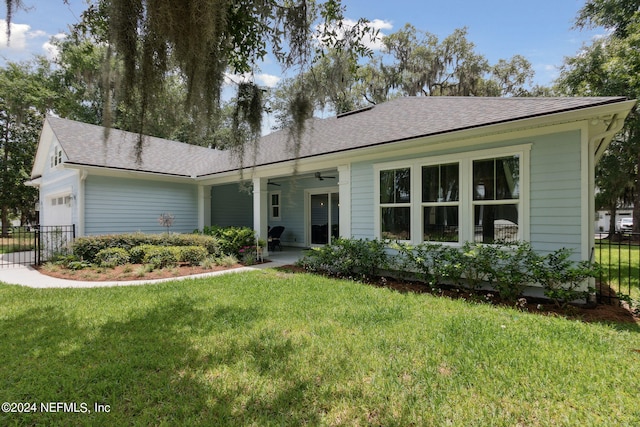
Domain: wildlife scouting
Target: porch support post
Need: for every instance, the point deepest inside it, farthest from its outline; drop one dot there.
(204, 206)
(344, 186)
(260, 210)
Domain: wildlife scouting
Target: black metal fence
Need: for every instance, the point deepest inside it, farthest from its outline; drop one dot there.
(619, 258)
(35, 245)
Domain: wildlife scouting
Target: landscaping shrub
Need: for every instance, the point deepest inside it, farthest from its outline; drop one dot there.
(509, 271)
(231, 239)
(87, 247)
(434, 263)
(162, 256)
(561, 278)
(138, 253)
(506, 267)
(192, 255)
(111, 257)
(348, 258)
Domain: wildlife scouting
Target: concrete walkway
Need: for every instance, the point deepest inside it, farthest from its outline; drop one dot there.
(30, 277)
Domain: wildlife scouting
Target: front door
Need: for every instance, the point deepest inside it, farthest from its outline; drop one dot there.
(323, 207)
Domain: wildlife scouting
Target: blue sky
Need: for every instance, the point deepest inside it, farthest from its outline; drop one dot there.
(540, 31)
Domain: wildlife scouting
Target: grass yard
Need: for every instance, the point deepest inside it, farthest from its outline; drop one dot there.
(272, 348)
(621, 266)
(16, 244)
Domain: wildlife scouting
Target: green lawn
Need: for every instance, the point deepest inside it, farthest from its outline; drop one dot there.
(621, 267)
(269, 348)
(23, 242)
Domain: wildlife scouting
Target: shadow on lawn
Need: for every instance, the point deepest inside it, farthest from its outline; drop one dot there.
(147, 369)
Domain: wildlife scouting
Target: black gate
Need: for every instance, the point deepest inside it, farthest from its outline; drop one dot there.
(35, 245)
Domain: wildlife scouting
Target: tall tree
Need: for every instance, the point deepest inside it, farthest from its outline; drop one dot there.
(610, 66)
(414, 63)
(201, 40)
(23, 98)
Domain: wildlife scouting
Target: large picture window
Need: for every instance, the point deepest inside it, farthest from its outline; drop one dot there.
(395, 204)
(473, 196)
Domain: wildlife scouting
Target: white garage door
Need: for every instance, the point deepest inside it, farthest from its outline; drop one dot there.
(57, 211)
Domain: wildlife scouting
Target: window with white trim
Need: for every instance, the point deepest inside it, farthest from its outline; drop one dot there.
(395, 203)
(496, 196)
(441, 202)
(56, 157)
(275, 200)
(475, 196)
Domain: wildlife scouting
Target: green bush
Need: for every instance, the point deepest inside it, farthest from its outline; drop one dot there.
(510, 272)
(507, 268)
(192, 255)
(435, 263)
(111, 257)
(137, 253)
(87, 247)
(162, 256)
(231, 239)
(562, 278)
(348, 258)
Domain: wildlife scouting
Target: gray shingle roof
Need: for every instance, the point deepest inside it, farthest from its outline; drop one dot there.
(414, 117)
(396, 120)
(85, 144)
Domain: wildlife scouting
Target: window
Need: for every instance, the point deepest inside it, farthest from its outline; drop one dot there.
(56, 157)
(474, 196)
(496, 194)
(440, 202)
(395, 203)
(275, 205)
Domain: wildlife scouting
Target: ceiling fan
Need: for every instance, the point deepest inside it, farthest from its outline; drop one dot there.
(319, 177)
(273, 183)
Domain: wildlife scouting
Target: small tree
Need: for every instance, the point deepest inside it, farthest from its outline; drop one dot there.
(166, 220)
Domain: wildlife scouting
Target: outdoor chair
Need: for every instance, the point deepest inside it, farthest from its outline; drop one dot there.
(274, 237)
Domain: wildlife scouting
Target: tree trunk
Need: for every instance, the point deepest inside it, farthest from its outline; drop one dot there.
(4, 217)
(612, 220)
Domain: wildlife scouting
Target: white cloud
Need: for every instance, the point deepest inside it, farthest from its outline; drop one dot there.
(380, 24)
(268, 80)
(19, 35)
(51, 50)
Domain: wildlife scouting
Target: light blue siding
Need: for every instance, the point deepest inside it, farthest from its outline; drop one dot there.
(231, 206)
(119, 205)
(556, 205)
(362, 200)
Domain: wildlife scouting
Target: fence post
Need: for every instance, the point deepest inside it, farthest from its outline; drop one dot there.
(36, 244)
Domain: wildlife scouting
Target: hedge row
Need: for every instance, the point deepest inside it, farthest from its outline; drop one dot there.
(507, 268)
(86, 248)
(156, 256)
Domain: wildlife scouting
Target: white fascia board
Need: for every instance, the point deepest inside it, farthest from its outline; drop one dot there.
(131, 174)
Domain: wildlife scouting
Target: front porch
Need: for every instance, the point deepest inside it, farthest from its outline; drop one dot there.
(313, 207)
(287, 256)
